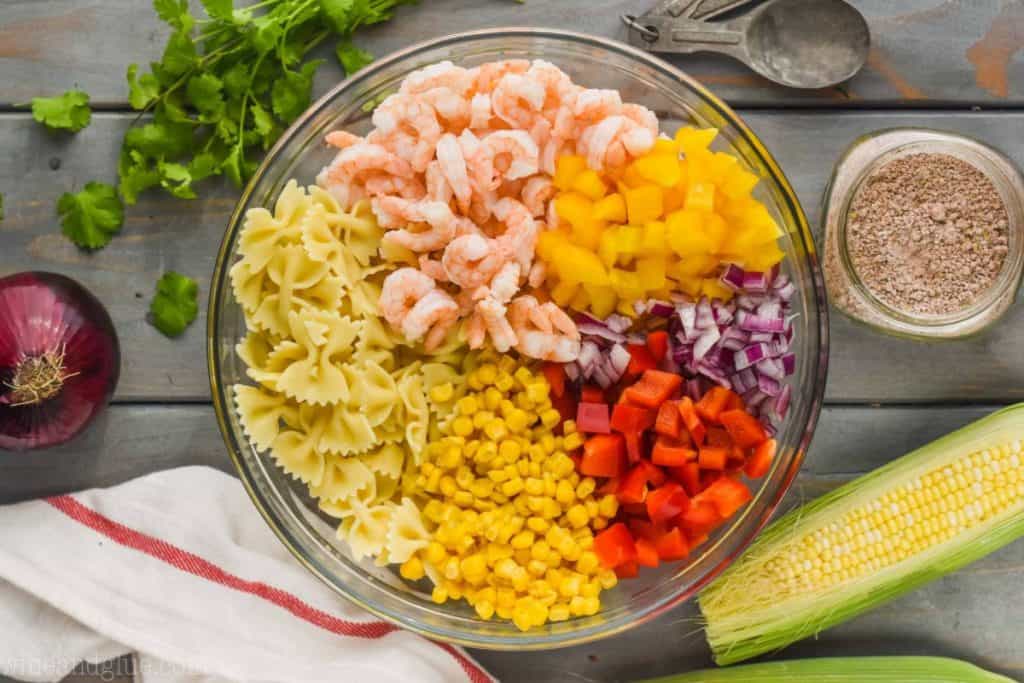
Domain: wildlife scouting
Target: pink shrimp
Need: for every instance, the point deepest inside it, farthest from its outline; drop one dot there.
(517, 100)
(471, 260)
(611, 142)
(520, 236)
(557, 84)
(487, 75)
(592, 105)
(641, 115)
(408, 126)
(476, 329)
(342, 139)
(506, 154)
(437, 188)
(381, 184)
(450, 106)
(437, 215)
(480, 112)
(400, 292)
(452, 165)
(538, 272)
(354, 162)
(543, 331)
(503, 337)
(433, 268)
(432, 316)
(503, 286)
(442, 74)
(536, 193)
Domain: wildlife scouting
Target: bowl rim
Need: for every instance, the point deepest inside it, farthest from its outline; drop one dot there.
(818, 375)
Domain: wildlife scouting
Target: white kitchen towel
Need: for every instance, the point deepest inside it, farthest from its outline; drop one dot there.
(179, 568)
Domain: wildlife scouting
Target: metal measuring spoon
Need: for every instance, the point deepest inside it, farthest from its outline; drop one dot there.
(798, 43)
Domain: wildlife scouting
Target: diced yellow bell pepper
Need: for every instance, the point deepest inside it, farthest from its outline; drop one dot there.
(650, 271)
(585, 265)
(712, 288)
(606, 250)
(738, 183)
(693, 266)
(589, 184)
(720, 165)
(659, 168)
(686, 232)
(691, 139)
(573, 208)
(625, 307)
(563, 292)
(587, 234)
(654, 239)
(716, 230)
(581, 300)
(643, 204)
(700, 196)
(665, 146)
(549, 242)
(675, 196)
(698, 167)
(602, 300)
(690, 285)
(568, 167)
(763, 258)
(611, 208)
(631, 178)
(628, 239)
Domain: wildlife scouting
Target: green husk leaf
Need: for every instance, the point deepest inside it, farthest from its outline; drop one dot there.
(745, 618)
(845, 670)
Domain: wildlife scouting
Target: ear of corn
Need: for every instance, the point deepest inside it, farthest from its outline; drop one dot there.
(916, 519)
(846, 670)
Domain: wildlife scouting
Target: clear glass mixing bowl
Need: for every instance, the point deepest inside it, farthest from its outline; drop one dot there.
(300, 153)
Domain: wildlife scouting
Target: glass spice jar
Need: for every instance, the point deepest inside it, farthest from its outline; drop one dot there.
(848, 291)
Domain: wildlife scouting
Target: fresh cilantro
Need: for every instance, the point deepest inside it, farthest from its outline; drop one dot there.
(174, 305)
(351, 57)
(91, 217)
(228, 84)
(69, 111)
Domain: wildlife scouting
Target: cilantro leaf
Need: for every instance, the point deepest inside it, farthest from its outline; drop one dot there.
(176, 179)
(218, 9)
(179, 54)
(351, 57)
(291, 92)
(142, 89)
(135, 174)
(91, 217)
(161, 138)
(263, 124)
(69, 111)
(204, 92)
(175, 305)
(174, 13)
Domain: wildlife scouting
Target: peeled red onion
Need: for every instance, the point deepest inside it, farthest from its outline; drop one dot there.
(59, 359)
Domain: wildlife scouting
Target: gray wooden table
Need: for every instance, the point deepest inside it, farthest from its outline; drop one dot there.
(952, 64)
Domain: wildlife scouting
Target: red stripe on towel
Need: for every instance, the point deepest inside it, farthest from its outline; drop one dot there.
(197, 566)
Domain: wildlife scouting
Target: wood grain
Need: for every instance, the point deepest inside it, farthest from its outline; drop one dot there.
(973, 614)
(938, 51)
(162, 233)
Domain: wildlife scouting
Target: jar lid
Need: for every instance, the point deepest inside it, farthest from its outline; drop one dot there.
(853, 296)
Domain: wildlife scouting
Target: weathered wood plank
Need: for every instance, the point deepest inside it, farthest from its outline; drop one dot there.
(972, 614)
(162, 233)
(930, 51)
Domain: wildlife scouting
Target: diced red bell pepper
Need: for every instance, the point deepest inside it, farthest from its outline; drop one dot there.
(646, 553)
(696, 539)
(592, 418)
(632, 510)
(604, 455)
(555, 375)
(642, 528)
(668, 422)
(633, 419)
(666, 502)
(672, 545)
(655, 475)
(614, 546)
(653, 388)
(727, 495)
(633, 486)
(671, 453)
(629, 570)
(689, 476)
(640, 359)
(565, 405)
(591, 394)
(634, 447)
(609, 488)
(711, 404)
(735, 402)
(735, 460)
(700, 518)
(657, 344)
(745, 429)
(717, 436)
(712, 457)
(760, 460)
(694, 427)
(709, 477)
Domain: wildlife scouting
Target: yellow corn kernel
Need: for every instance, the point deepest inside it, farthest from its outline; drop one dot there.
(577, 606)
(512, 487)
(592, 507)
(504, 612)
(463, 498)
(523, 375)
(537, 392)
(572, 441)
(577, 516)
(558, 612)
(590, 589)
(439, 595)
(484, 609)
(466, 405)
(412, 569)
(588, 563)
(504, 381)
(550, 418)
(519, 421)
(462, 426)
(488, 372)
(534, 486)
(539, 550)
(523, 540)
(607, 578)
(509, 450)
(570, 586)
(442, 393)
(608, 506)
(451, 458)
(447, 486)
(585, 487)
(495, 429)
(473, 565)
(492, 398)
(482, 488)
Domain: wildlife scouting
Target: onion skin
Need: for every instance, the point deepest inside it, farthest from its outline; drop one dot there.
(44, 313)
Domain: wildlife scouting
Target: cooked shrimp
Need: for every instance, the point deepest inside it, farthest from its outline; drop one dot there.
(441, 75)
(437, 188)
(506, 154)
(504, 285)
(520, 236)
(381, 184)
(437, 215)
(543, 331)
(400, 292)
(487, 75)
(517, 100)
(538, 272)
(610, 142)
(452, 164)
(593, 105)
(342, 139)
(409, 127)
(432, 316)
(641, 115)
(353, 163)
(536, 193)
(557, 84)
(476, 330)
(449, 105)
(498, 327)
(433, 268)
(480, 112)
(471, 260)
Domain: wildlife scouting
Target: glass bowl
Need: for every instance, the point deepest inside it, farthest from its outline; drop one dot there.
(300, 153)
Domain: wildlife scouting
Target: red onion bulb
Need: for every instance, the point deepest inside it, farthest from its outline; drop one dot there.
(59, 359)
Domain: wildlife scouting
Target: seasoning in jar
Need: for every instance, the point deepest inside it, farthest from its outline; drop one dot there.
(922, 233)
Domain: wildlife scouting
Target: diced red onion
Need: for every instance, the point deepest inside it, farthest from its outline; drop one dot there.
(705, 318)
(747, 302)
(723, 313)
(693, 389)
(761, 337)
(599, 376)
(661, 309)
(781, 404)
(618, 323)
(754, 322)
(749, 355)
(768, 385)
(714, 374)
(636, 338)
(688, 317)
(732, 277)
(755, 282)
(789, 364)
(778, 347)
(619, 358)
(589, 329)
(771, 367)
(731, 343)
(786, 291)
(590, 354)
(572, 371)
(639, 306)
(708, 338)
(753, 398)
